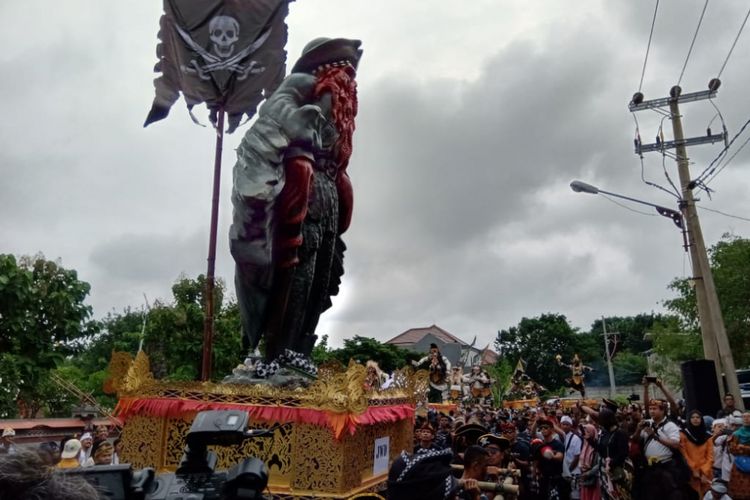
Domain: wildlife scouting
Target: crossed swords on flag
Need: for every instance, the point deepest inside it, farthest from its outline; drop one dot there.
(215, 63)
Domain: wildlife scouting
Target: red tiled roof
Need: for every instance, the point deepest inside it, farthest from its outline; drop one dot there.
(20, 424)
(488, 357)
(414, 335)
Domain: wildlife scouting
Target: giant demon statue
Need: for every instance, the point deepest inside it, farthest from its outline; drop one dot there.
(292, 199)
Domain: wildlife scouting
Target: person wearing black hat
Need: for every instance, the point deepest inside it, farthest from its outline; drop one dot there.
(426, 475)
(465, 436)
(497, 458)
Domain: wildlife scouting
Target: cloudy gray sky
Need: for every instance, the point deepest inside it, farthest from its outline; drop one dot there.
(474, 117)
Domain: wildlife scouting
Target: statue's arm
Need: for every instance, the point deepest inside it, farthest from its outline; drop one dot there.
(346, 200)
(292, 203)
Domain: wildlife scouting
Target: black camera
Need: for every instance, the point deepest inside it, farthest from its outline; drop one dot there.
(195, 479)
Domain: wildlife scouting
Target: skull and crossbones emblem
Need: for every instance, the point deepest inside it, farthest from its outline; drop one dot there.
(224, 33)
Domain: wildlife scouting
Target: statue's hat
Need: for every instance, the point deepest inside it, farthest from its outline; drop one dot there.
(322, 51)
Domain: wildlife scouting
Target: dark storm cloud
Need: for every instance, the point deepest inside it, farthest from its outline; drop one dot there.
(449, 172)
(454, 166)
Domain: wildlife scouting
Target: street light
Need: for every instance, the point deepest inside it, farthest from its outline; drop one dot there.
(582, 187)
(709, 311)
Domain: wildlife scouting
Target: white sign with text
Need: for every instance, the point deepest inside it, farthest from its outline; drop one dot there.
(382, 452)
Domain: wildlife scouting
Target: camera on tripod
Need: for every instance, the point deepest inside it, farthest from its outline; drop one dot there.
(196, 478)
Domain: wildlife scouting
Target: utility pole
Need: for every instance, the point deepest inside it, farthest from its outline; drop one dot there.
(713, 333)
(612, 388)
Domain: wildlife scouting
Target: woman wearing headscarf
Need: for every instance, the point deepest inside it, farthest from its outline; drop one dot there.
(589, 464)
(698, 449)
(739, 446)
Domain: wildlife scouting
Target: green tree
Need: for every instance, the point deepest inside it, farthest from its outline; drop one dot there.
(321, 352)
(501, 372)
(42, 316)
(730, 266)
(629, 367)
(537, 341)
(170, 333)
(631, 332)
(173, 335)
(361, 349)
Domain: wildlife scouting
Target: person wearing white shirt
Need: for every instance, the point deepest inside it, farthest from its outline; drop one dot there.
(661, 436)
(571, 467)
(87, 441)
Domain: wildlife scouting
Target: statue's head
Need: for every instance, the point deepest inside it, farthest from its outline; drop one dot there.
(322, 52)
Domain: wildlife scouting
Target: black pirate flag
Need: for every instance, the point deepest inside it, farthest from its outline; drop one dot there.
(226, 53)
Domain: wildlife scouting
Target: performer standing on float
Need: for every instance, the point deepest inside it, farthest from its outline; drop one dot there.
(438, 366)
(479, 384)
(456, 381)
(577, 369)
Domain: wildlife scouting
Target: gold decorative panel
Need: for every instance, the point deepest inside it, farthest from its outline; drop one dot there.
(143, 442)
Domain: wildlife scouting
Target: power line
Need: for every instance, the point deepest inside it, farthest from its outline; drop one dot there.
(653, 184)
(707, 181)
(723, 213)
(648, 47)
(695, 35)
(677, 193)
(643, 176)
(735, 43)
(626, 207)
(708, 170)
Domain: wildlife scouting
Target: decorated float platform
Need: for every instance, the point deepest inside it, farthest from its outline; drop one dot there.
(332, 439)
(520, 404)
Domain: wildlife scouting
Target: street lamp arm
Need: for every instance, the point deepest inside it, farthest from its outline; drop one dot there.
(582, 187)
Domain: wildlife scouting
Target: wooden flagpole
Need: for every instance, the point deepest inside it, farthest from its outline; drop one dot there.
(208, 322)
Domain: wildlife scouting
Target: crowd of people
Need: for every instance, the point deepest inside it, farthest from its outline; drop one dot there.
(552, 451)
(32, 472)
(654, 450)
(90, 448)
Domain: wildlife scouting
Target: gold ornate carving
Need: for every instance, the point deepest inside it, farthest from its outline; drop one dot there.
(335, 390)
(318, 459)
(340, 391)
(142, 442)
(138, 375)
(118, 369)
(174, 441)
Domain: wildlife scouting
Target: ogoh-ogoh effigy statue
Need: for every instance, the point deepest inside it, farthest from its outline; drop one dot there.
(292, 199)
